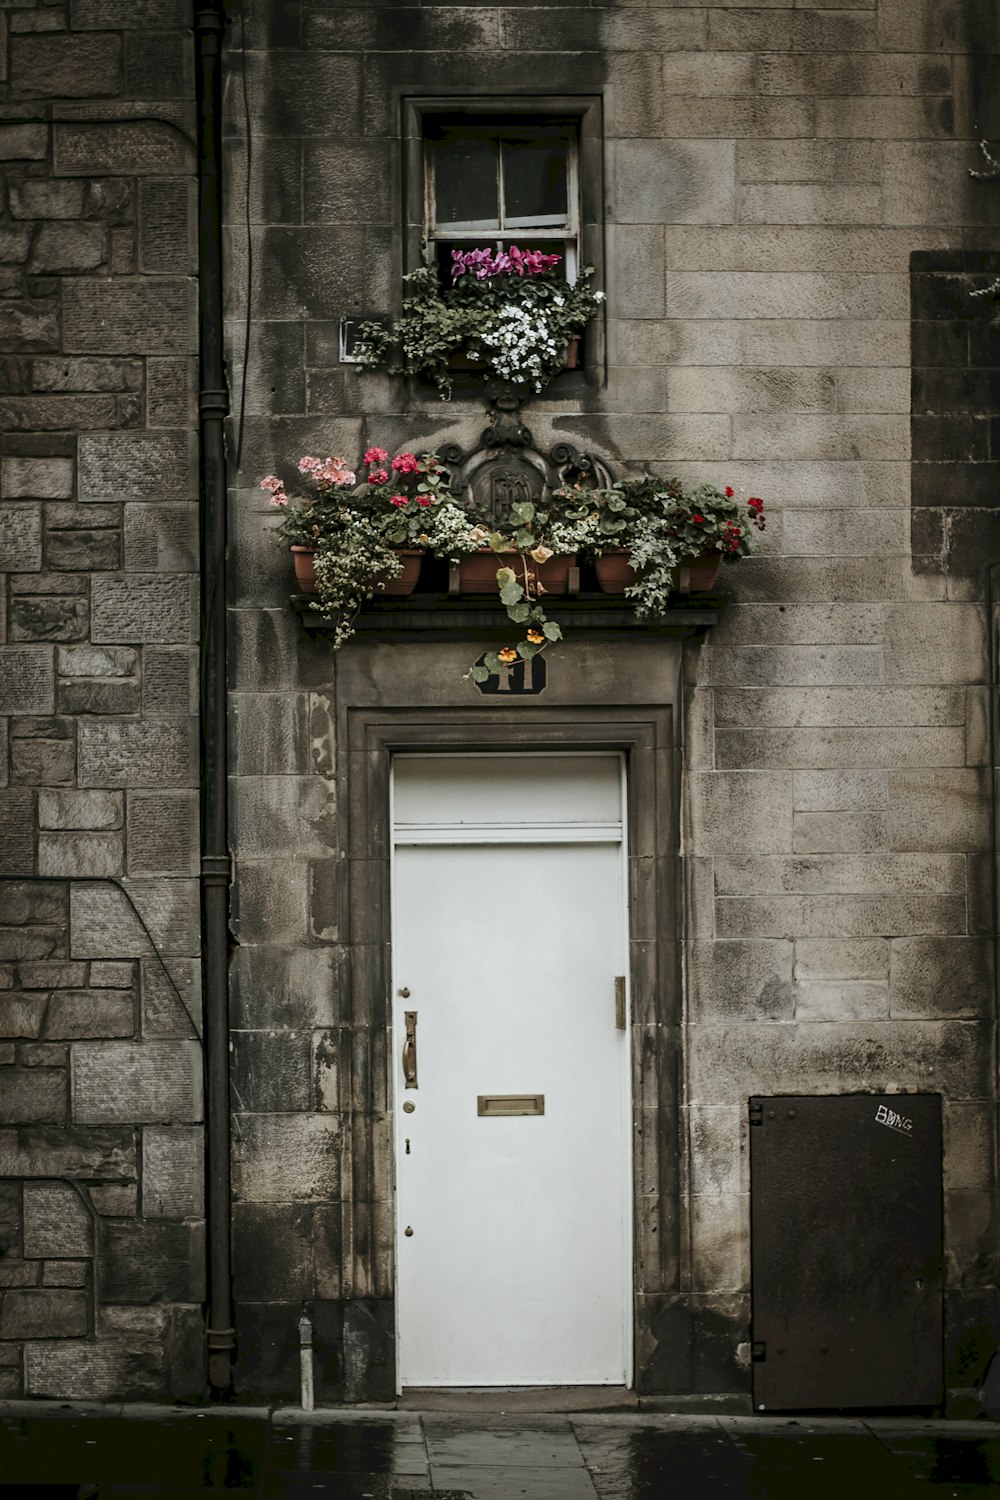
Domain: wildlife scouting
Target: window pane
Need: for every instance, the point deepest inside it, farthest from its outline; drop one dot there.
(535, 182)
(465, 184)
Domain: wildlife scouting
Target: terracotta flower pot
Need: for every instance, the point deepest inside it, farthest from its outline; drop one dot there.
(405, 582)
(303, 561)
(479, 571)
(615, 573)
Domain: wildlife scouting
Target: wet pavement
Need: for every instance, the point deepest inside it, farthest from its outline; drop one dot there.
(85, 1452)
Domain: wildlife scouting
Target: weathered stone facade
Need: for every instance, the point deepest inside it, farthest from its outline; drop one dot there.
(790, 238)
(102, 1271)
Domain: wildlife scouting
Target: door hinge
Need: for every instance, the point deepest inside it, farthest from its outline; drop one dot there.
(756, 1112)
(620, 1001)
(758, 1352)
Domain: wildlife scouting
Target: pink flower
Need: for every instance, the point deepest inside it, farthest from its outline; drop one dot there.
(378, 476)
(335, 471)
(279, 498)
(273, 483)
(376, 456)
(309, 465)
(406, 463)
(398, 500)
(424, 499)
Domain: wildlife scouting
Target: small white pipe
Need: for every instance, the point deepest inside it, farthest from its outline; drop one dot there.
(306, 1362)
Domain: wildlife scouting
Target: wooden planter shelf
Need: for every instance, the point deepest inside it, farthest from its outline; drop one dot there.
(450, 616)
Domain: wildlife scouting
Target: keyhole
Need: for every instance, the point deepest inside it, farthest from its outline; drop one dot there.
(407, 1147)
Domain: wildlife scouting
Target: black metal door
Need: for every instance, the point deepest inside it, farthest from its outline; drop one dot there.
(846, 1251)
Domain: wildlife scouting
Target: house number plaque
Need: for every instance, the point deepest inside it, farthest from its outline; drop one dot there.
(521, 679)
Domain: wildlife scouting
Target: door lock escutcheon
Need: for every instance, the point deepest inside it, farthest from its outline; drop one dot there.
(410, 1049)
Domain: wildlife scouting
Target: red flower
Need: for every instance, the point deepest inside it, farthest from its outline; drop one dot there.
(398, 500)
(406, 463)
(754, 503)
(378, 476)
(730, 492)
(376, 456)
(697, 518)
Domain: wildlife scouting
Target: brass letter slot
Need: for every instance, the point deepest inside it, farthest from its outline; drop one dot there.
(511, 1104)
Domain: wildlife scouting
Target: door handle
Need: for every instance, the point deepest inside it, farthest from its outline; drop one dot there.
(410, 1049)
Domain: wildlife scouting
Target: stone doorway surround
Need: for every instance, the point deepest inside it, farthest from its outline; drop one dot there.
(600, 696)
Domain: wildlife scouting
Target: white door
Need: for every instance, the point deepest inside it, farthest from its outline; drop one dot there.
(513, 1163)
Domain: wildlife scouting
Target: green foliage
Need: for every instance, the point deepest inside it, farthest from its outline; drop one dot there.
(511, 326)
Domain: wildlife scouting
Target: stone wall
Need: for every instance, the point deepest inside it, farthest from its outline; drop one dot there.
(101, 1244)
(770, 173)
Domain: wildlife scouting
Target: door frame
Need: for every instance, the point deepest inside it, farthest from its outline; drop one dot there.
(645, 737)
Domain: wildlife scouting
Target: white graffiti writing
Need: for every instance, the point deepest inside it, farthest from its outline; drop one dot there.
(886, 1116)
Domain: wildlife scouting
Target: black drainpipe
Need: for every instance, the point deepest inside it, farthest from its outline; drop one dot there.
(213, 406)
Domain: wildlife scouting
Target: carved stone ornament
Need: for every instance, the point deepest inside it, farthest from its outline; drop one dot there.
(506, 467)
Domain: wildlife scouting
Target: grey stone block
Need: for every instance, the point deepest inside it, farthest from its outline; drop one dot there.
(22, 1015)
(89, 1371)
(96, 661)
(296, 987)
(109, 697)
(161, 538)
(673, 182)
(172, 1172)
(800, 916)
(170, 684)
(43, 1314)
(125, 316)
(768, 294)
(927, 643)
(112, 976)
(18, 831)
(86, 1155)
(122, 148)
(68, 1273)
(33, 1096)
(807, 749)
(139, 608)
(269, 733)
(76, 1014)
(114, 1202)
(142, 1262)
(163, 833)
(104, 923)
(52, 976)
(73, 67)
(137, 753)
(841, 1001)
(841, 791)
(272, 1070)
(24, 142)
(764, 30)
(865, 707)
(56, 1221)
(853, 875)
(840, 833)
(170, 392)
(171, 998)
(20, 537)
(283, 815)
(939, 809)
(733, 810)
(27, 679)
(32, 324)
(83, 855)
(62, 247)
(79, 810)
(941, 977)
(137, 466)
(747, 981)
(140, 15)
(36, 478)
(35, 198)
(136, 1082)
(167, 223)
(49, 618)
(271, 902)
(273, 1252)
(287, 1158)
(86, 374)
(813, 666)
